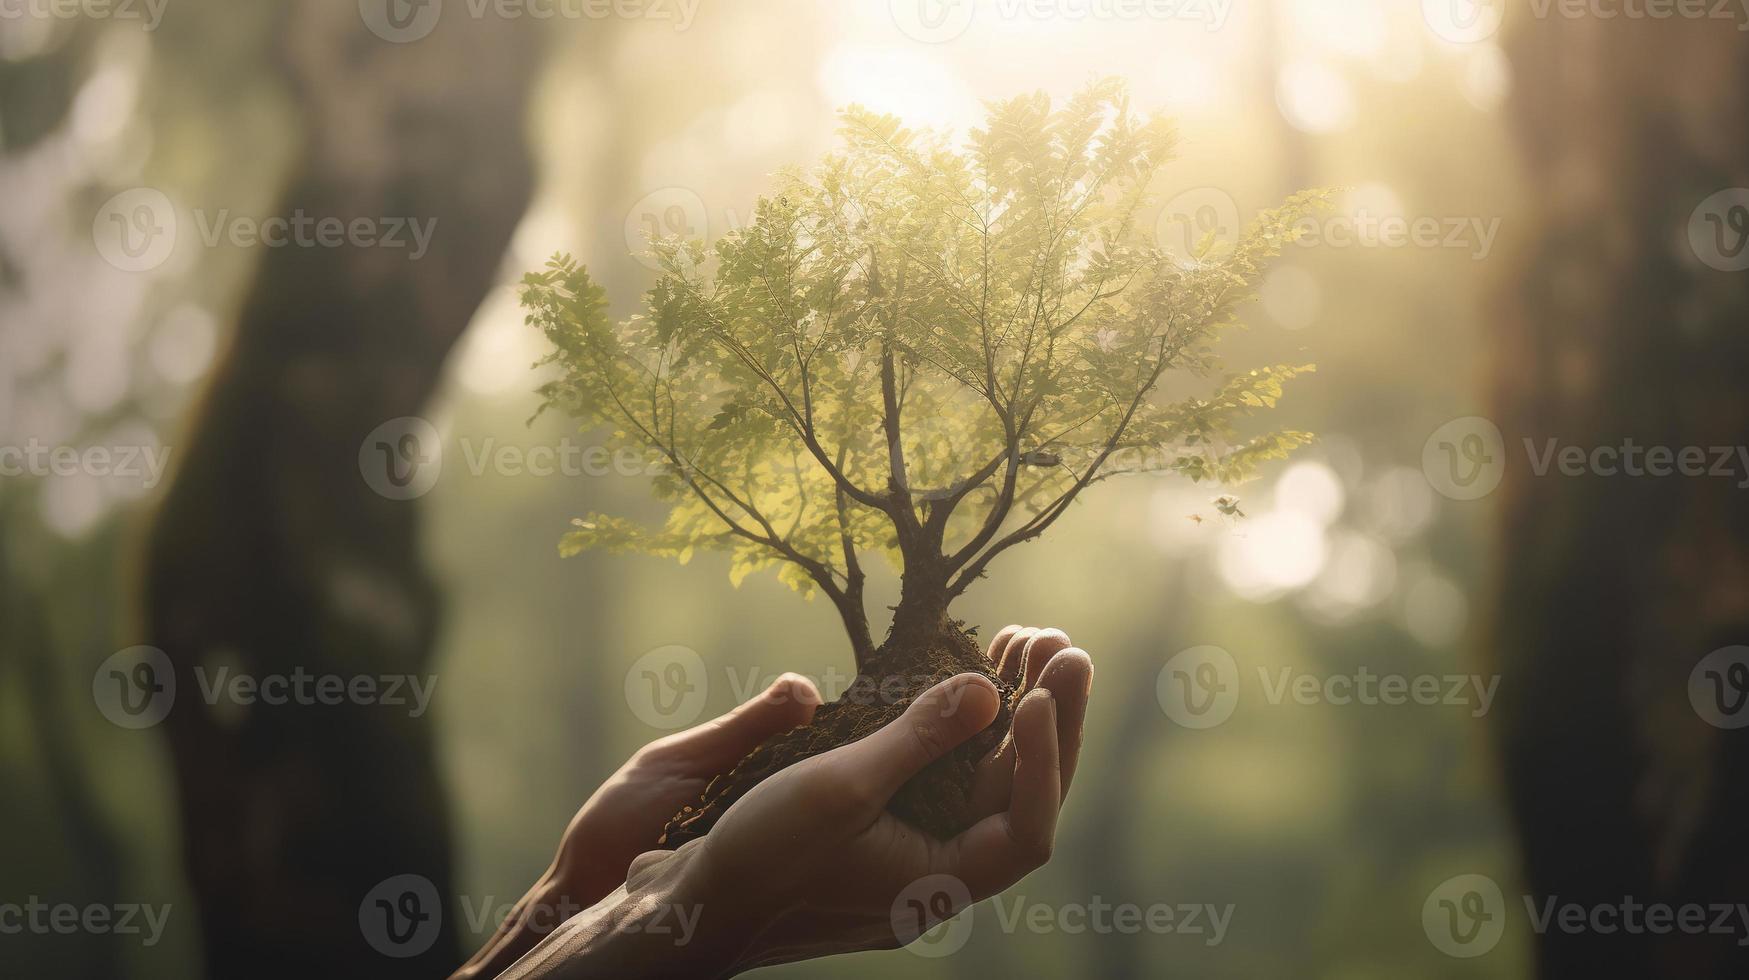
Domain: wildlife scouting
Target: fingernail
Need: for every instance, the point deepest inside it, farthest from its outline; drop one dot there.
(795, 687)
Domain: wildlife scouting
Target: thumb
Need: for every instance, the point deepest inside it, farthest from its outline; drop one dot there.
(720, 743)
(937, 721)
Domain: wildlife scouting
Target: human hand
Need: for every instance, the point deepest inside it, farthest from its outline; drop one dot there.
(810, 861)
(626, 814)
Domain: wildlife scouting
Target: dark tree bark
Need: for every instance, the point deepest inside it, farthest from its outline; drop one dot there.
(1614, 588)
(273, 554)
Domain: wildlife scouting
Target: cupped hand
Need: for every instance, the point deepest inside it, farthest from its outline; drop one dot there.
(810, 863)
(625, 816)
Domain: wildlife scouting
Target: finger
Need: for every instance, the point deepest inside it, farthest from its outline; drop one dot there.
(999, 850)
(717, 744)
(642, 864)
(1037, 775)
(1035, 656)
(999, 646)
(990, 792)
(1044, 644)
(1069, 678)
(993, 781)
(1008, 668)
(939, 719)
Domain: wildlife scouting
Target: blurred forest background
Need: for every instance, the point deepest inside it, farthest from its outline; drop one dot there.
(1570, 152)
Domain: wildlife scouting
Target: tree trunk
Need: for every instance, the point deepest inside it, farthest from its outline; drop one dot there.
(272, 554)
(1614, 588)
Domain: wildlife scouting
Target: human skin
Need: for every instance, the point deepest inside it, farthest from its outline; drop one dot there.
(809, 863)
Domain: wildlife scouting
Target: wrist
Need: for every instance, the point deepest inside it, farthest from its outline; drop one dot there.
(676, 921)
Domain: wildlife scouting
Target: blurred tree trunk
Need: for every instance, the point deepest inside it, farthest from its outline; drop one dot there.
(1615, 587)
(272, 554)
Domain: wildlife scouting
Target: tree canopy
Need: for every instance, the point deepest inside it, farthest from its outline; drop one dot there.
(918, 350)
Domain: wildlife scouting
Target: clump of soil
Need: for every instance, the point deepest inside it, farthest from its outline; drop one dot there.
(936, 800)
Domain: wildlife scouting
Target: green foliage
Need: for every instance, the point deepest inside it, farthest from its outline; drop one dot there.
(920, 351)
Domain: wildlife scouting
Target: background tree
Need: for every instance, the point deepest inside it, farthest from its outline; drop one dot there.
(270, 552)
(1613, 588)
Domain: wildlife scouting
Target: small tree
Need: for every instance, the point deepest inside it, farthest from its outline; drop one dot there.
(918, 352)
